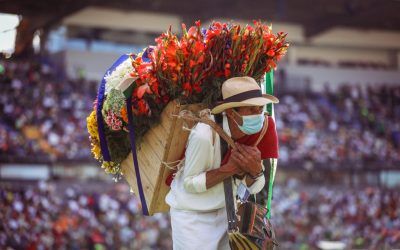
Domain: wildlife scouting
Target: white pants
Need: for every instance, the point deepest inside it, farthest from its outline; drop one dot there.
(199, 230)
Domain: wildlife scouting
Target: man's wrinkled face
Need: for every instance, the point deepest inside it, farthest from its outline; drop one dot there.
(237, 113)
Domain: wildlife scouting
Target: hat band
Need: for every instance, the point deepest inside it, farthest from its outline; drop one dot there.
(244, 96)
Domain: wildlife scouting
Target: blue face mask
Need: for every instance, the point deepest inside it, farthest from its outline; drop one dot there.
(252, 124)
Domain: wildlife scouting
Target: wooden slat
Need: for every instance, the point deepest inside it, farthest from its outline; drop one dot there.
(161, 189)
(145, 176)
(158, 203)
(178, 143)
(179, 135)
(151, 163)
(156, 139)
(166, 116)
(130, 176)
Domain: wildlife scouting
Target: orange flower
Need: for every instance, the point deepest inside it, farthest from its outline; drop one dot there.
(124, 114)
(271, 53)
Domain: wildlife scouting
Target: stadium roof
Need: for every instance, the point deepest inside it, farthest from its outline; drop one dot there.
(315, 16)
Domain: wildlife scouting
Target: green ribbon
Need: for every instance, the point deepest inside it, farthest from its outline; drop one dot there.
(269, 89)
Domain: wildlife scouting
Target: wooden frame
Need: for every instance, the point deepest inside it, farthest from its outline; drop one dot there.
(164, 142)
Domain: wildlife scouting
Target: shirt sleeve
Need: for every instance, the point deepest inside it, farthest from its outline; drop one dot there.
(269, 144)
(197, 159)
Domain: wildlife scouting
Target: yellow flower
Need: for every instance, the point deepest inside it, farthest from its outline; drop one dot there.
(92, 126)
(96, 150)
(110, 167)
(94, 136)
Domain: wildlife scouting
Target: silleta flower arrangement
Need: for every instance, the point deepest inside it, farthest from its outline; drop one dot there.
(190, 68)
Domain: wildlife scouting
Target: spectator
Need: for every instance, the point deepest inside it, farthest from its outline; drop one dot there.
(331, 130)
(41, 116)
(45, 217)
(52, 216)
(367, 218)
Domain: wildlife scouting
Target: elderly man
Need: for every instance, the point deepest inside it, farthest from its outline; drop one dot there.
(197, 199)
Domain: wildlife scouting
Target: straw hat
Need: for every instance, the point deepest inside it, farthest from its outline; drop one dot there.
(240, 92)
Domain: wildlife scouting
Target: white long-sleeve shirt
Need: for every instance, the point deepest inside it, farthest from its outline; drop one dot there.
(188, 189)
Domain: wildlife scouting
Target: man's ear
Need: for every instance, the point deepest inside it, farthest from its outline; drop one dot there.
(234, 116)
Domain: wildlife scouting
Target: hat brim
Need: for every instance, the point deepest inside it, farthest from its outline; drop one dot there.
(257, 101)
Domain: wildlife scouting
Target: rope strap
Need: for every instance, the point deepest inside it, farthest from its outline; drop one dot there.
(134, 155)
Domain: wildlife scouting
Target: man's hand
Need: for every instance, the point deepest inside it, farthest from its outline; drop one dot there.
(218, 175)
(248, 158)
(245, 159)
(232, 166)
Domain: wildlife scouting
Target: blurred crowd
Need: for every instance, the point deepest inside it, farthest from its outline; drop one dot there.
(42, 115)
(353, 126)
(345, 64)
(362, 218)
(49, 216)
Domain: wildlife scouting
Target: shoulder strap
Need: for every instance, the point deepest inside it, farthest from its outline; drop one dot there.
(216, 126)
(263, 131)
(229, 199)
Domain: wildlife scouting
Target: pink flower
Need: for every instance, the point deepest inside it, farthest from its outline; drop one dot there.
(113, 121)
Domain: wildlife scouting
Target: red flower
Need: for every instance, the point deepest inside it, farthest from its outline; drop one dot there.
(227, 71)
(271, 53)
(171, 49)
(201, 59)
(197, 87)
(171, 64)
(192, 32)
(187, 88)
(217, 25)
(165, 99)
(154, 88)
(142, 107)
(192, 63)
(212, 33)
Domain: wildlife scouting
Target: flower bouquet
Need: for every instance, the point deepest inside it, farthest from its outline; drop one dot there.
(131, 123)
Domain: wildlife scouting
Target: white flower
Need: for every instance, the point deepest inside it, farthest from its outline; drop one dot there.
(114, 78)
